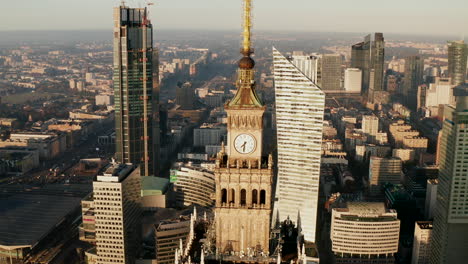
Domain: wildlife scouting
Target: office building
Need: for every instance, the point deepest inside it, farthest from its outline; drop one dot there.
(299, 120)
(450, 241)
(377, 61)
(422, 242)
(193, 185)
(209, 134)
(370, 127)
(383, 170)
(414, 67)
(369, 56)
(243, 173)
(117, 209)
(135, 89)
(353, 80)
(308, 65)
(364, 233)
(360, 59)
(457, 58)
(330, 72)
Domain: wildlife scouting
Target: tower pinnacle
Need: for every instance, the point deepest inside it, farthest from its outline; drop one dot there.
(246, 95)
(246, 44)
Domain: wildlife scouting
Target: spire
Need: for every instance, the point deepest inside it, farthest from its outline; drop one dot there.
(246, 95)
(246, 43)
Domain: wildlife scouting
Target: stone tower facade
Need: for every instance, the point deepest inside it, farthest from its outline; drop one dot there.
(243, 174)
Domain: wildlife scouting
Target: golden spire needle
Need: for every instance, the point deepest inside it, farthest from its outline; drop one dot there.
(247, 26)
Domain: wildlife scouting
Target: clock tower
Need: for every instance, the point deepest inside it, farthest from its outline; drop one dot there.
(244, 173)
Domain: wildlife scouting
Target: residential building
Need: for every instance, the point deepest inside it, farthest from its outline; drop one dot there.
(370, 127)
(299, 119)
(364, 232)
(404, 154)
(440, 92)
(449, 242)
(185, 96)
(135, 89)
(117, 209)
(422, 242)
(105, 99)
(171, 236)
(383, 170)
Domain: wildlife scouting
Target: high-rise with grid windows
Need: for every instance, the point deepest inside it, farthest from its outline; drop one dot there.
(135, 89)
(450, 228)
(117, 205)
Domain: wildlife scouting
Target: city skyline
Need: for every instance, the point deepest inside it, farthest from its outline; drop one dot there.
(201, 14)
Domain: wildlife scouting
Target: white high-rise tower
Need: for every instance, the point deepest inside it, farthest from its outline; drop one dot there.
(300, 107)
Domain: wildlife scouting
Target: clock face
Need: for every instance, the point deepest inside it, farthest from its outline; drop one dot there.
(244, 143)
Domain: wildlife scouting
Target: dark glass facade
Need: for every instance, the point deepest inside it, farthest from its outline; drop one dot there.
(414, 70)
(135, 89)
(369, 56)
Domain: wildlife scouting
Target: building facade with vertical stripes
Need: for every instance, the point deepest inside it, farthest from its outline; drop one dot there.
(300, 107)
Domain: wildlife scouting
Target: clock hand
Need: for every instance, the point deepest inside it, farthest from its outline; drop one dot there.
(243, 146)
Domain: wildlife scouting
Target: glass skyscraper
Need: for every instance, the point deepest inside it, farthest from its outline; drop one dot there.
(300, 107)
(457, 58)
(360, 59)
(135, 89)
(369, 57)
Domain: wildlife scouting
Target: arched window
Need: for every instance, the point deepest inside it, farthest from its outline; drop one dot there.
(243, 197)
(233, 196)
(223, 196)
(254, 197)
(262, 197)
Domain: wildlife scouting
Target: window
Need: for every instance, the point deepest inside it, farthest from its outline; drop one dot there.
(243, 197)
(233, 196)
(223, 196)
(262, 197)
(254, 197)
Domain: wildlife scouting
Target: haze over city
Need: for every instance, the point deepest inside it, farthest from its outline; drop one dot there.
(398, 16)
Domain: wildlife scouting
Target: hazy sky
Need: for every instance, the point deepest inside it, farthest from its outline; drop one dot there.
(434, 17)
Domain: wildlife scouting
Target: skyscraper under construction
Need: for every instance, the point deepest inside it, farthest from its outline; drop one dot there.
(136, 89)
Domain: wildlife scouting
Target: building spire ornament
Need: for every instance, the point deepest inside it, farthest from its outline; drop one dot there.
(246, 95)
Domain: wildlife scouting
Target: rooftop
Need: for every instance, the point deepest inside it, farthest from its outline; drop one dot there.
(25, 219)
(366, 208)
(424, 224)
